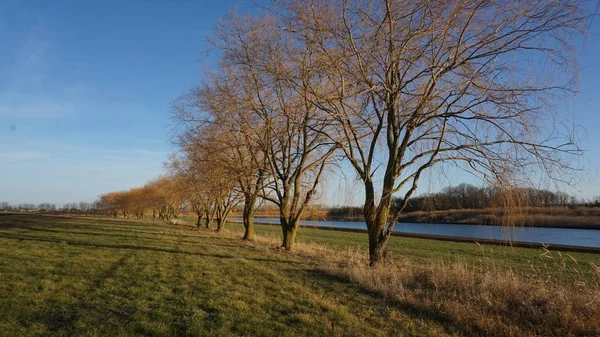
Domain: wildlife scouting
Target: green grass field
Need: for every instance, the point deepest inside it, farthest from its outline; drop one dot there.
(75, 276)
(562, 267)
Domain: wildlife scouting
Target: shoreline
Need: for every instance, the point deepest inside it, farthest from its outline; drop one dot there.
(416, 220)
(556, 247)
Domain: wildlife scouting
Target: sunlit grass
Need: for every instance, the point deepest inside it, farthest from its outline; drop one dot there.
(109, 277)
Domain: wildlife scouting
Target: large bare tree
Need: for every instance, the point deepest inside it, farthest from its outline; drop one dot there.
(471, 83)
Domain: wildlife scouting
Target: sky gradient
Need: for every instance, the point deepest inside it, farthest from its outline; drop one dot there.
(85, 89)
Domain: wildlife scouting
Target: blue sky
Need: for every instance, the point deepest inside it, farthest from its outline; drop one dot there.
(85, 89)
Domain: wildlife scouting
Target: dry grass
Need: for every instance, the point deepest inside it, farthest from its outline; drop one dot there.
(490, 302)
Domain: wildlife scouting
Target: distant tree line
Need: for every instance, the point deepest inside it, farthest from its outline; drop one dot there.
(166, 198)
(466, 196)
(24, 207)
(162, 198)
(81, 207)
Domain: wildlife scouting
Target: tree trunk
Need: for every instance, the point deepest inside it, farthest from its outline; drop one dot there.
(248, 217)
(249, 228)
(209, 219)
(198, 221)
(377, 247)
(289, 233)
(220, 224)
(376, 219)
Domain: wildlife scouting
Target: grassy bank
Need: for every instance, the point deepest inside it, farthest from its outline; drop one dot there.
(85, 276)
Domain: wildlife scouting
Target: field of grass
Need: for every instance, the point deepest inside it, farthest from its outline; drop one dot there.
(78, 276)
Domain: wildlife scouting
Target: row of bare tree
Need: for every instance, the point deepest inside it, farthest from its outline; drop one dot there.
(162, 197)
(393, 88)
(387, 88)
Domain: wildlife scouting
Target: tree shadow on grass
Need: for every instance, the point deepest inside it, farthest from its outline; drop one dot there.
(27, 220)
(84, 226)
(61, 317)
(135, 237)
(20, 220)
(146, 248)
(112, 246)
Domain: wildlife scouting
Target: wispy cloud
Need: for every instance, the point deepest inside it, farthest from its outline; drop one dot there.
(20, 156)
(65, 149)
(26, 91)
(59, 147)
(138, 140)
(38, 108)
(149, 152)
(30, 64)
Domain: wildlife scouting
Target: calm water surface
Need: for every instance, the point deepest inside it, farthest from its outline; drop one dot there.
(559, 236)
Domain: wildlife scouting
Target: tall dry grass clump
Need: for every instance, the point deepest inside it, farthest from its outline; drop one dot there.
(490, 302)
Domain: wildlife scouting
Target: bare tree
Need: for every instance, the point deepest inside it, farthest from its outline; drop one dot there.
(207, 160)
(192, 187)
(216, 117)
(429, 82)
(166, 196)
(279, 72)
(109, 203)
(240, 151)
